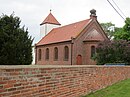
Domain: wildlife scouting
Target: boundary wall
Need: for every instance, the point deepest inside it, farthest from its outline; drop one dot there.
(58, 81)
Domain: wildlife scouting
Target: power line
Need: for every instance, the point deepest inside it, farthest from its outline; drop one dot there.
(116, 10)
(119, 8)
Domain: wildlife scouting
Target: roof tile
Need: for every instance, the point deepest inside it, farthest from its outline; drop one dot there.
(64, 33)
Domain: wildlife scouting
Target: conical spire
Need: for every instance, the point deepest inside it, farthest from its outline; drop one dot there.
(50, 19)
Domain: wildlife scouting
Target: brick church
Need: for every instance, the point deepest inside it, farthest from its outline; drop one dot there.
(72, 44)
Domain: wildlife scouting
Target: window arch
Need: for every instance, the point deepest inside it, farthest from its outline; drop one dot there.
(55, 53)
(66, 53)
(39, 54)
(47, 54)
(93, 51)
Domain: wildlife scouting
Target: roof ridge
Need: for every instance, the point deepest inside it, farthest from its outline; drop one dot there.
(73, 23)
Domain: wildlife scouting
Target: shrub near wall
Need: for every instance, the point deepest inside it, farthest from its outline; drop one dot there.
(57, 81)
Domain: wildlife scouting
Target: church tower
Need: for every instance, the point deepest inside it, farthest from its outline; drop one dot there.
(48, 24)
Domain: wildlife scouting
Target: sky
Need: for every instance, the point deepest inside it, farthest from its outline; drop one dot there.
(33, 12)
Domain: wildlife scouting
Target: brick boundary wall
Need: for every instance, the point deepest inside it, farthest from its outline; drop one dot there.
(57, 81)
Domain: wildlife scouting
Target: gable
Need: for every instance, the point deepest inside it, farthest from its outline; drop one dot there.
(94, 35)
(93, 31)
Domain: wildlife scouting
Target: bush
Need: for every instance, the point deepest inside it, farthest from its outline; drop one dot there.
(113, 52)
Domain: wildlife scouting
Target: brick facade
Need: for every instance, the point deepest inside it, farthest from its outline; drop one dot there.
(57, 81)
(51, 59)
(82, 44)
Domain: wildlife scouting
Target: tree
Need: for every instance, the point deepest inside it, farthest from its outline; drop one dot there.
(113, 52)
(123, 33)
(108, 28)
(16, 44)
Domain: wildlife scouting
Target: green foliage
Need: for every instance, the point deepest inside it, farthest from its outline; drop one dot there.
(113, 52)
(16, 44)
(120, 89)
(108, 28)
(116, 51)
(123, 33)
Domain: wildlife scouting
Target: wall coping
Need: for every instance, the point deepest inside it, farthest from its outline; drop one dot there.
(51, 66)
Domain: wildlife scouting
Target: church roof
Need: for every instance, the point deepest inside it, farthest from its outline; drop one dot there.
(50, 19)
(64, 33)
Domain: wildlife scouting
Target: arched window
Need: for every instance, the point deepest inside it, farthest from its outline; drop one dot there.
(93, 51)
(55, 53)
(39, 54)
(66, 53)
(47, 54)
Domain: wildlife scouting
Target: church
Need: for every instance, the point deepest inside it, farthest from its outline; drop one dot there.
(72, 44)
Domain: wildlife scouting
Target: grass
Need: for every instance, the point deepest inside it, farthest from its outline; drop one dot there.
(121, 89)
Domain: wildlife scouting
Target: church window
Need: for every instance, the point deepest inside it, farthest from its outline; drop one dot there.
(47, 54)
(66, 53)
(39, 54)
(93, 51)
(55, 53)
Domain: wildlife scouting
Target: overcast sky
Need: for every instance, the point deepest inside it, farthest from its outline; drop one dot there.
(33, 12)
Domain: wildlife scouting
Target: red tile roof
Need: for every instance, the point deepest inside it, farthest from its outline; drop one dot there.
(50, 19)
(64, 33)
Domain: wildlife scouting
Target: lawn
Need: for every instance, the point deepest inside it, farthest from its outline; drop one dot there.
(121, 89)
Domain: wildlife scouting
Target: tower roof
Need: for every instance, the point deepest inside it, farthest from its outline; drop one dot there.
(50, 19)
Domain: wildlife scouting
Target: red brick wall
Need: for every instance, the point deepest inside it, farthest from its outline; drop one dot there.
(51, 60)
(57, 81)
